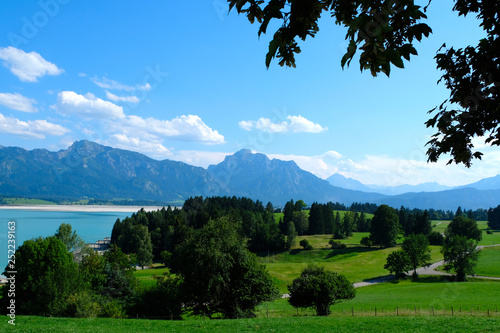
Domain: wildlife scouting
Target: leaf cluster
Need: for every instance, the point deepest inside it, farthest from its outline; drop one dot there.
(383, 31)
(472, 75)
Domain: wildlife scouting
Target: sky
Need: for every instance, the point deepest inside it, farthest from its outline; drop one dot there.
(187, 81)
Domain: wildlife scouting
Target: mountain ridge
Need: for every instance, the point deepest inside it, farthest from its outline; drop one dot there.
(88, 169)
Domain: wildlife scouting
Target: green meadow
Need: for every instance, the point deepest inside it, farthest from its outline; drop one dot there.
(489, 262)
(345, 324)
(430, 304)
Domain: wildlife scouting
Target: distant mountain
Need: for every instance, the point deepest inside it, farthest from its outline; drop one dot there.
(87, 169)
(467, 198)
(348, 183)
(400, 189)
(257, 177)
(492, 183)
(352, 184)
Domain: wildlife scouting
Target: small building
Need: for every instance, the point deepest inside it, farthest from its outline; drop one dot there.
(100, 246)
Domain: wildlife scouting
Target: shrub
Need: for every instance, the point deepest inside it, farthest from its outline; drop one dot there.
(82, 305)
(337, 245)
(366, 241)
(435, 238)
(305, 244)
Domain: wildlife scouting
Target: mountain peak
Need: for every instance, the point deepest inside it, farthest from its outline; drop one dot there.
(84, 148)
(244, 151)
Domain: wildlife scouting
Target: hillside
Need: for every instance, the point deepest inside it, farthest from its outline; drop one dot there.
(87, 169)
(90, 170)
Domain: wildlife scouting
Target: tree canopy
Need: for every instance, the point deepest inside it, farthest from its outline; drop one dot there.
(463, 226)
(319, 289)
(385, 226)
(494, 218)
(384, 33)
(460, 255)
(46, 277)
(418, 251)
(69, 237)
(220, 276)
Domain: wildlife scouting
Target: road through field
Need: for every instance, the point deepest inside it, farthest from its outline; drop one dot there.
(428, 270)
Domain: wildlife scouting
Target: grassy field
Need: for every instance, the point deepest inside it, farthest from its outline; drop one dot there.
(355, 262)
(24, 201)
(407, 298)
(290, 324)
(422, 306)
(489, 262)
(146, 276)
(483, 225)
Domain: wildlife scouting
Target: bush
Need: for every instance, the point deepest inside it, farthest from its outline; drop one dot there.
(82, 305)
(435, 238)
(113, 309)
(305, 244)
(489, 231)
(366, 241)
(166, 258)
(337, 245)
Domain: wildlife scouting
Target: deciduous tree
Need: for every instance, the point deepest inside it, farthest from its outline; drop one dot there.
(398, 263)
(463, 226)
(417, 249)
(220, 276)
(46, 276)
(319, 289)
(460, 255)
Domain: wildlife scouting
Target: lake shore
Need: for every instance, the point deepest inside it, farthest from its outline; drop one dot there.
(81, 208)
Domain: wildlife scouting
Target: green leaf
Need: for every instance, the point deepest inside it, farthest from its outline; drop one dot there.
(273, 48)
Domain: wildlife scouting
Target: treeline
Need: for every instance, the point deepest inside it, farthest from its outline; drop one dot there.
(323, 220)
(167, 228)
(448, 215)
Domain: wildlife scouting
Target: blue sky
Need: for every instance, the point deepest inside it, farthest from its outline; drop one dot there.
(183, 80)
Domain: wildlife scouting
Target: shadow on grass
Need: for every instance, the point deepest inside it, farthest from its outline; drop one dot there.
(433, 279)
(350, 251)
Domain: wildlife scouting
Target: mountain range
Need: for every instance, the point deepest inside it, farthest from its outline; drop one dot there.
(88, 169)
(353, 184)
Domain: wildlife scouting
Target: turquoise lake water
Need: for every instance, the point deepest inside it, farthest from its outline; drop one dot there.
(90, 226)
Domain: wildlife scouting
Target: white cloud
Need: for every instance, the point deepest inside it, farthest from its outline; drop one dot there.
(115, 98)
(183, 128)
(322, 166)
(107, 83)
(17, 102)
(390, 171)
(37, 129)
(198, 158)
(295, 124)
(88, 106)
(153, 149)
(28, 67)
(299, 124)
(144, 87)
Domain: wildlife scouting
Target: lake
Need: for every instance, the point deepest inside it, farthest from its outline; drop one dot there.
(90, 226)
